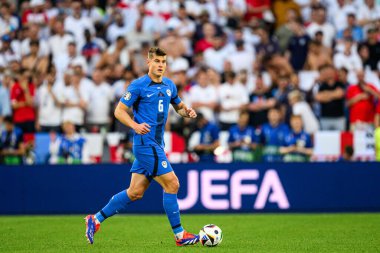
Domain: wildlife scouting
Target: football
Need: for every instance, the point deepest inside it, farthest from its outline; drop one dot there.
(210, 235)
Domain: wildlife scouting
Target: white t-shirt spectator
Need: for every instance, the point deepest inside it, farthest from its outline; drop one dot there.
(339, 15)
(57, 43)
(99, 106)
(310, 122)
(241, 60)
(215, 58)
(63, 61)
(231, 96)
(351, 62)
(327, 29)
(77, 28)
(49, 114)
(115, 31)
(43, 47)
(206, 94)
(74, 114)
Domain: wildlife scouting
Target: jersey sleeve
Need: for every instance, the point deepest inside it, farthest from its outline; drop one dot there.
(175, 99)
(131, 95)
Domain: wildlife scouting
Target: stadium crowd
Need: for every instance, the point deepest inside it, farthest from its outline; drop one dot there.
(271, 73)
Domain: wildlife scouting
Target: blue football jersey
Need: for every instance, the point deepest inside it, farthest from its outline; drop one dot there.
(273, 136)
(150, 102)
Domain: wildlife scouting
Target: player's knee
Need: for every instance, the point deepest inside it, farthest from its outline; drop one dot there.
(172, 186)
(135, 194)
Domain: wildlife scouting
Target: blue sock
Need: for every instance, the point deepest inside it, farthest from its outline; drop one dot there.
(172, 211)
(117, 203)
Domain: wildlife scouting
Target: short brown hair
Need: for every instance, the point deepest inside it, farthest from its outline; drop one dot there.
(156, 51)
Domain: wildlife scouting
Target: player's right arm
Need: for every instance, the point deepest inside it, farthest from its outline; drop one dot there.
(121, 113)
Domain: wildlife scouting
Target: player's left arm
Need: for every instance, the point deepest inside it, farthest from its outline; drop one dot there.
(185, 111)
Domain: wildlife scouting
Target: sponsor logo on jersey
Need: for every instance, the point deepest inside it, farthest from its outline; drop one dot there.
(169, 92)
(164, 164)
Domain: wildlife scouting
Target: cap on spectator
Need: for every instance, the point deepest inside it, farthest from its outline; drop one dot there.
(35, 3)
(179, 64)
(6, 38)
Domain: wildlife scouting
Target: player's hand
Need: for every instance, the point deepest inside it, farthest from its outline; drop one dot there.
(142, 128)
(191, 113)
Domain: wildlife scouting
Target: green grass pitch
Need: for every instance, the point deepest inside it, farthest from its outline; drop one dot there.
(151, 233)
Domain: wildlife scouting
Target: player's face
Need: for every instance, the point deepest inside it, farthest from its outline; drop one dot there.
(157, 65)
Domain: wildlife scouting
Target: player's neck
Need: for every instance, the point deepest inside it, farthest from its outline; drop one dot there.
(156, 79)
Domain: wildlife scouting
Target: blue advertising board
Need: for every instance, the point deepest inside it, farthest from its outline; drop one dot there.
(205, 187)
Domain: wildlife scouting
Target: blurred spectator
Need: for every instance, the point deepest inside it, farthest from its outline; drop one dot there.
(352, 29)
(11, 145)
(280, 93)
(340, 12)
(76, 23)
(99, 105)
(75, 97)
(8, 22)
(22, 99)
(303, 109)
(33, 34)
(116, 53)
(233, 96)
(297, 146)
(216, 55)
(231, 12)
(361, 103)
(268, 45)
(92, 51)
(117, 28)
(242, 59)
(256, 10)
(33, 61)
(319, 23)
(209, 139)
(368, 13)
(286, 31)
(137, 37)
(260, 101)
(242, 140)
(298, 46)
(203, 96)
(49, 102)
(67, 59)
(348, 154)
(272, 135)
(317, 56)
(5, 102)
(71, 148)
(348, 59)
(209, 32)
(7, 53)
(60, 40)
(373, 45)
(184, 26)
(280, 10)
(91, 11)
(331, 96)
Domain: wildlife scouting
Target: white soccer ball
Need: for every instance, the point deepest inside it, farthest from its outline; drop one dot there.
(210, 235)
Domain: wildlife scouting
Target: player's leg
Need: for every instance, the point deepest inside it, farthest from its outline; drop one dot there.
(139, 184)
(170, 185)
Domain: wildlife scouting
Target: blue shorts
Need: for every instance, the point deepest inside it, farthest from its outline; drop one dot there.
(150, 161)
